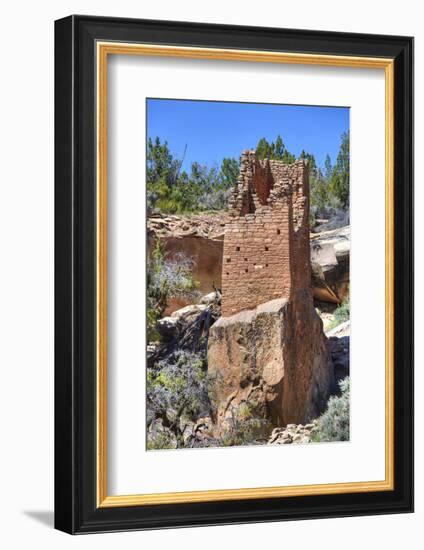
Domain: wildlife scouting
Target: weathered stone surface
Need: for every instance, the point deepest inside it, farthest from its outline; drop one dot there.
(339, 346)
(211, 298)
(330, 254)
(275, 356)
(172, 326)
(168, 328)
(293, 433)
(187, 312)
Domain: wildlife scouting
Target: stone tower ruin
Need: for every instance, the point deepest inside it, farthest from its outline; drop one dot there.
(268, 348)
(266, 243)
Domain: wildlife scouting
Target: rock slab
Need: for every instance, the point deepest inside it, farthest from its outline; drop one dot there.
(275, 357)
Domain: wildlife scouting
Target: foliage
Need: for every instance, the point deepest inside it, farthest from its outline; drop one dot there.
(320, 198)
(311, 161)
(245, 426)
(177, 391)
(229, 172)
(180, 391)
(159, 437)
(333, 425)
(172, 191)
(166, 279)
(341, 315)
(329, 190)
(274, 150)
(339, 180)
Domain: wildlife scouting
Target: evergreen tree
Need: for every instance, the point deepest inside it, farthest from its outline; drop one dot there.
(263, 149)
(274, 150)
(160, 163)
(279, 149)
(339, 182)
(229, 172)
(311, 161)
(288, 157)
(328, 168)
(172, 191)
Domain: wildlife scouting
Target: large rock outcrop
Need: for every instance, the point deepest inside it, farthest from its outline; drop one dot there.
(274, 356)
(330, 262)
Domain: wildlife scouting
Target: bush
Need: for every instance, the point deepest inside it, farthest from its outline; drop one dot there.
(245, 426)
(177, 391)
(216, 199)
(166, 279)
(341, 315)
(334, 424)
(159, 437)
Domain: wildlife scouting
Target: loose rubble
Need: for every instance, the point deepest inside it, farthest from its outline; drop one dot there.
(293, 433)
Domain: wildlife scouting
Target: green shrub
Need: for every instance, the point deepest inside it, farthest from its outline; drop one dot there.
(245, 426)
(177, 391)
(341, 315)
(160, 438)
(166, 279)
(334, 424)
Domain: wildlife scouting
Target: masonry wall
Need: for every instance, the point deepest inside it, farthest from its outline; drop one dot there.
(266, 244)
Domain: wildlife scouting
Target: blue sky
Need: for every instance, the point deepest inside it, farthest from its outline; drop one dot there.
(214, 130)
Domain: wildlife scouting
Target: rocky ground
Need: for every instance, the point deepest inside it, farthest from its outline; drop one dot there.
(293, 433)
(205, 226)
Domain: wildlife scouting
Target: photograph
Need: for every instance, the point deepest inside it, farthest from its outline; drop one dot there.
(233, 261)
(247, 274)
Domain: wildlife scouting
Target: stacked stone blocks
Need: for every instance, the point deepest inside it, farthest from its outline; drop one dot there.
(266, 243)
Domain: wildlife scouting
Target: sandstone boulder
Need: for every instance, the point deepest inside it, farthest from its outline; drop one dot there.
(187, 313)
(172, 326)
(168, 328)
(274, 356)
(330, 254)
(339, 345)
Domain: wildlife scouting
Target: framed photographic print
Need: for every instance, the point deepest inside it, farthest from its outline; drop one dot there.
(233, 271)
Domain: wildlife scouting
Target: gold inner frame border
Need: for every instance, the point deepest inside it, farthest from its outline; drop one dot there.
(103, 50)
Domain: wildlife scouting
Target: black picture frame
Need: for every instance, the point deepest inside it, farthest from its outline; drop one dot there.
(76, 510)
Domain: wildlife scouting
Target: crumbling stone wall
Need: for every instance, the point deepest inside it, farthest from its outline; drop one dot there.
(266, 243)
